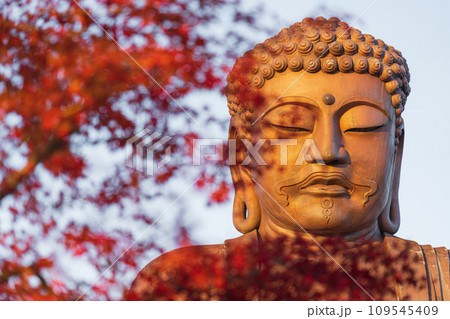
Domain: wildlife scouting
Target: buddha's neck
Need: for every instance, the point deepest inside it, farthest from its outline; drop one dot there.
(269, 230)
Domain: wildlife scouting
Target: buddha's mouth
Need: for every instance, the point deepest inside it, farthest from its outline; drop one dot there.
(326, 184)
(330, 183)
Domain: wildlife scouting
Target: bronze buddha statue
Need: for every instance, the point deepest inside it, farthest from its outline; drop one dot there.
(326, 101)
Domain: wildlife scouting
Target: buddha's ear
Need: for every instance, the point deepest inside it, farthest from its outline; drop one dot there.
(246, 207)
(389, 219)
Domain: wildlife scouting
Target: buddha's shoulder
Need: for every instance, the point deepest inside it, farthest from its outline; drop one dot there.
(431, 267)
(193, 268)
(397, 242)
(185, 255)
(188, 273)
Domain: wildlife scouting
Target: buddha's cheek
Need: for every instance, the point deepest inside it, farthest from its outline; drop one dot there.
(373, 159)
(280, 162)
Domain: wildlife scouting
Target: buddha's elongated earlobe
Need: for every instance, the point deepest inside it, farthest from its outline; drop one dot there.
(246, 207)
(246, 216)
(389, 219)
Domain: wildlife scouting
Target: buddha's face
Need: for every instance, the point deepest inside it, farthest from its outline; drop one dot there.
(334, 173)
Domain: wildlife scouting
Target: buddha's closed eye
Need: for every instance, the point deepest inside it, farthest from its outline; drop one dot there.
(365, 129)
(291, 118)
(290, 128)
(363, 119)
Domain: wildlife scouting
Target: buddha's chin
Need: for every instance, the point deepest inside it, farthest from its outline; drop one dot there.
(318, 222)
(317, 225)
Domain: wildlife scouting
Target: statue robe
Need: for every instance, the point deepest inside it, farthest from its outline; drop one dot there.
(204, 273)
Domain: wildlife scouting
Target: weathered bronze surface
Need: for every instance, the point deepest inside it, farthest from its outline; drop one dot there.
(331, 98)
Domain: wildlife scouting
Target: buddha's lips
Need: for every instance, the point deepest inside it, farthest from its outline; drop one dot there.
(336, 183)
(310, 180)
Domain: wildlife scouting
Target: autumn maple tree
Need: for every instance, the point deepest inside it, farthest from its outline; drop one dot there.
(77, 80)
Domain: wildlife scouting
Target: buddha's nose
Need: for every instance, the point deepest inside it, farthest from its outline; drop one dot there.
(330, 150)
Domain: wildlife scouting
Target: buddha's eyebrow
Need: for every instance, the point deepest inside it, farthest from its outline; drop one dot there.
(363, 100)
(292, 100)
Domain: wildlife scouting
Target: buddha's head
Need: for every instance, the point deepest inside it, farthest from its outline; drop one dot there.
(321, 103)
